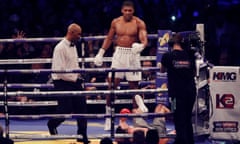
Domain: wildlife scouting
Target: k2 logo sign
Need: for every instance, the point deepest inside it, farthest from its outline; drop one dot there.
(226, 101)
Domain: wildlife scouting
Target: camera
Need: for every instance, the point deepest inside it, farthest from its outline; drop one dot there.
(189, 41)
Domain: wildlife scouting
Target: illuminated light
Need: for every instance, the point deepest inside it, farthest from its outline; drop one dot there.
(179, 14)
(173, 18)
(195, 13)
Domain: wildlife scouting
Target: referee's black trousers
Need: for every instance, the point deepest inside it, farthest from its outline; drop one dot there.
(70, 104)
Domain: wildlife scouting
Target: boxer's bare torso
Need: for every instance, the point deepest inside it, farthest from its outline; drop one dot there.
(126, 32)
(126, 29)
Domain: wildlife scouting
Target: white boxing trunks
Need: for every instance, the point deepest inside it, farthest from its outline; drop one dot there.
(123, 58)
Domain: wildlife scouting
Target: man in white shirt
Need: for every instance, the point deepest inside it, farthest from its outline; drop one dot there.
(65, 57)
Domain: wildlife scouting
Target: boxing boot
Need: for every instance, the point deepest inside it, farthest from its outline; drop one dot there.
(140, 103)
(107, 125)
(52, 129)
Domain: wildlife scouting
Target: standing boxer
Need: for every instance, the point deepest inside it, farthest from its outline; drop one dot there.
(131, 38)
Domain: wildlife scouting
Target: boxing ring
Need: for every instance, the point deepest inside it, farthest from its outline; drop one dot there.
(6, 94)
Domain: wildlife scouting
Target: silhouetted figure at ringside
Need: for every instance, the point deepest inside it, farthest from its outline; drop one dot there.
(4, 140)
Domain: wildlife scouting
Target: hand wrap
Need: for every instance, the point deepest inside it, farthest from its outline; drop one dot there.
(98, 60)
(137, 48)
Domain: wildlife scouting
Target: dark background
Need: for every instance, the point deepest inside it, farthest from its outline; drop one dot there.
(49, 18)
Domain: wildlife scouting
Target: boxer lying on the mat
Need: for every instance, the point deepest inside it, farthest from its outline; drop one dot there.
(139, 123)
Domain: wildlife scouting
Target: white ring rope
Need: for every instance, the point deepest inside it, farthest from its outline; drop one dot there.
(49, 85)
(55, 103)
(54, 137)
(45, 137)
(49, 60)
(28, 85)
(99, 136)
(83, 93)
(31, 104)
(54, 39)
(90, 70)
(73, 116)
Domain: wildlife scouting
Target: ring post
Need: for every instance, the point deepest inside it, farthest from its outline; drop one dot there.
(6, 105)
(112, 99)
(83, 52)
(198, 62)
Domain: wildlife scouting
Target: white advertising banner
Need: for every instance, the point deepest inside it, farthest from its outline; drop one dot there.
(225, 103)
